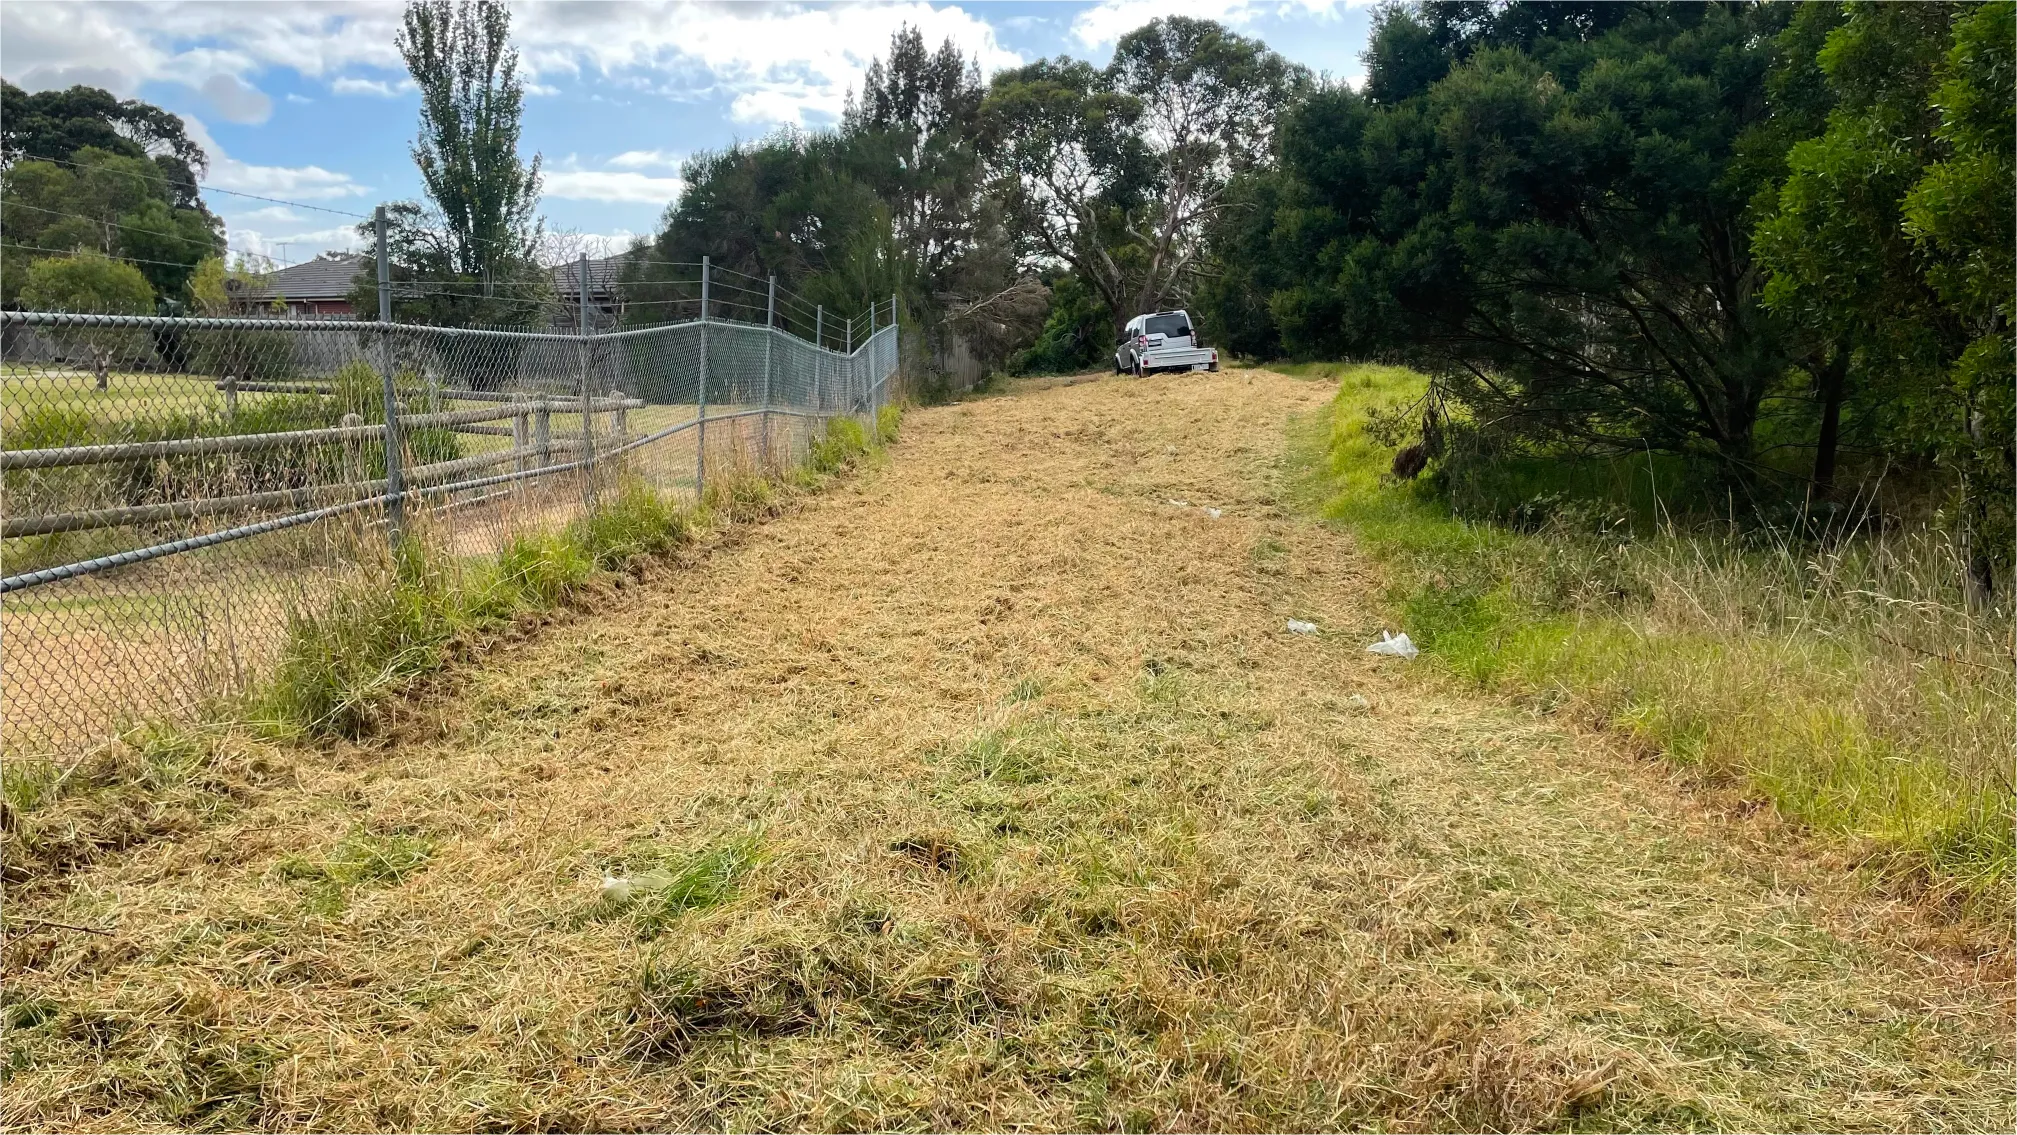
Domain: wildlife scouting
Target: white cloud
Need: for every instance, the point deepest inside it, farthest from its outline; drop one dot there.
(776, 64)
(309, 183)
(776, 104)
(291, 246)
(379, 88)
(611, 185)
(1106, 22)
(215, 49)
(647, 159)
(271, 214)
(237, 100)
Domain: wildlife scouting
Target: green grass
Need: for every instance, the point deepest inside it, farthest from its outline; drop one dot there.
(668, 884)
(1848, 687)
(360, 859)
(339, 664)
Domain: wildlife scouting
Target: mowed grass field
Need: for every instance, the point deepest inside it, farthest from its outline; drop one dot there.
(989, 790)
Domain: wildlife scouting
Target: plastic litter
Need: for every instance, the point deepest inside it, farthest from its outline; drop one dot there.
(1179, 504)
(1357, 703)
(1213, 513)
(1394, 644)
(1298, 626)
(618, 889)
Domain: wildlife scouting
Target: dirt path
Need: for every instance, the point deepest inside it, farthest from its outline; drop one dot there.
(992, 793)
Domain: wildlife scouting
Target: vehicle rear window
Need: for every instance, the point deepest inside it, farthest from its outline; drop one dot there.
(1166, 325)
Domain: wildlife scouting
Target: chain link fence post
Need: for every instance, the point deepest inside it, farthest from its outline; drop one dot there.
(818, 358)
(521, 442)
(769, 340)
(587, 386)
(395, 488)
(700, 446)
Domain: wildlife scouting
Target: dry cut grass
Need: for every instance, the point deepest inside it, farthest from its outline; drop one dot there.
(990, 792)
(1848, 683)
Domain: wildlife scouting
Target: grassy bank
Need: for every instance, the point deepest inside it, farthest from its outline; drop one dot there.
(1849, 686)
(343, 664)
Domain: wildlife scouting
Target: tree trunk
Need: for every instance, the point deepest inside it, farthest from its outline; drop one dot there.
(1832, 378)
(101, 361)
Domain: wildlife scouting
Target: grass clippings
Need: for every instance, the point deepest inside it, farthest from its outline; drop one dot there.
(1045, 823)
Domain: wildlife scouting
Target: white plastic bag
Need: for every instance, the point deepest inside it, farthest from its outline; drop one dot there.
(1213, 513)
(618, 889)
(1394, 644)
(1298, 626)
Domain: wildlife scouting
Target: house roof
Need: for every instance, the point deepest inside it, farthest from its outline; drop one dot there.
(331, 275)
(603, 276)
(327, 277)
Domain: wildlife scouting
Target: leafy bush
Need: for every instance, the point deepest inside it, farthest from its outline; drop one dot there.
(1074, 335)
(243, 353)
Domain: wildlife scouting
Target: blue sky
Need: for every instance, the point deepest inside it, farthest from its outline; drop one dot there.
(308, 101)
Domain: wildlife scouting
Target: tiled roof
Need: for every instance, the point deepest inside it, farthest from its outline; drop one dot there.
(603, 276)
(327, 277)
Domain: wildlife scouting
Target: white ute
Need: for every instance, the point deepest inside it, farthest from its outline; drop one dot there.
(1162, 341)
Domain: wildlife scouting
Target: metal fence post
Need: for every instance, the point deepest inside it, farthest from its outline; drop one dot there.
(818, 354)
(353, 449)
(700, 447)
(395, 484)
(521, 441)
(587, 386)
(769, 337)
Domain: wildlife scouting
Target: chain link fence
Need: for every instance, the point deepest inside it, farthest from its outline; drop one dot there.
(176, 490)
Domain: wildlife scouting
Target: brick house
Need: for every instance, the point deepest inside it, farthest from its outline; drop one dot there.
(316, 287)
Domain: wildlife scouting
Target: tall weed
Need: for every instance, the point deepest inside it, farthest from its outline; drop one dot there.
(1848, 684)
